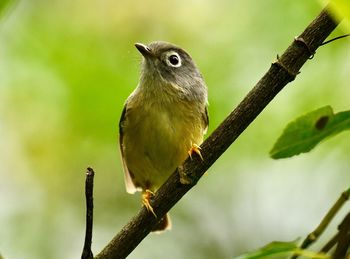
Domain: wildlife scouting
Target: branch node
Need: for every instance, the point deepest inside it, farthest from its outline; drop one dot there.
(279, 64)
(345, 195)
(302, 42)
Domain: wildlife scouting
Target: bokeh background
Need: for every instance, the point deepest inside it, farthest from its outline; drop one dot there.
(66, 68)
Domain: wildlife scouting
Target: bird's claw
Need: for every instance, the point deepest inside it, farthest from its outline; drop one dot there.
(146, 197)
(195, 149)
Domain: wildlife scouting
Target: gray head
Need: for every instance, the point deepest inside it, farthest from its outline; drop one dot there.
(168, 66)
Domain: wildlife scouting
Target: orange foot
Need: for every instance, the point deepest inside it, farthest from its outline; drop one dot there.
(146, 197)
(195, 149)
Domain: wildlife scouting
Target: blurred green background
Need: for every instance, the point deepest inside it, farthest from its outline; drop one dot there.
(66, 68)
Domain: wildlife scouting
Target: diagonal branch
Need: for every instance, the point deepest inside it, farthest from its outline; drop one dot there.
(281, 72)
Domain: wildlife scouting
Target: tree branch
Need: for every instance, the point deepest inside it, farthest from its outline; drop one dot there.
(314, 235)
(281, 72)
(89, 188)
(343, 238)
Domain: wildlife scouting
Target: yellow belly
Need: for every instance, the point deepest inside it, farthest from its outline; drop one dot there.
(157, 140)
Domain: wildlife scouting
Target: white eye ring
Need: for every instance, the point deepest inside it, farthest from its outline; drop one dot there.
(173, 59)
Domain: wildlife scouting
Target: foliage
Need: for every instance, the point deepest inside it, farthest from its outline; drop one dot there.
(281, 249)
(272, 249)
(305, 132)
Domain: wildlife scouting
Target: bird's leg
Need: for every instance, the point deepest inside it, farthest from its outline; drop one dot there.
(195, 149)
(146, 197)
(184, 178)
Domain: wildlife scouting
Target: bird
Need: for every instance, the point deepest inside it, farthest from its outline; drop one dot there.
(163, 120)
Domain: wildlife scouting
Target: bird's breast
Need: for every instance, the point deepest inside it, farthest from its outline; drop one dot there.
(158, 137)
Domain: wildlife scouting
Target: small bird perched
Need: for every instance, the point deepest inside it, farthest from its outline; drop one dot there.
(163, 120)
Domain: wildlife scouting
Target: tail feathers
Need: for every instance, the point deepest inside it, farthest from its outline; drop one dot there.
(163, 224)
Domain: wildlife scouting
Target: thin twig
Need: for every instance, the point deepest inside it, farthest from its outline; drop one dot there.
(89, 188)
(336, 38)
(280, 74)
(330, 244)
(314, 235)
(343, 238)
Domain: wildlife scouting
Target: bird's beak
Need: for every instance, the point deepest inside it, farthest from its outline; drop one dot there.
(144, 50)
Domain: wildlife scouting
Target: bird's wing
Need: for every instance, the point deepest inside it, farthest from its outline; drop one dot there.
(205, 117)
(130, 187)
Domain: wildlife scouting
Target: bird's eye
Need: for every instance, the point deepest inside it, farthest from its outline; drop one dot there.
(173, 59)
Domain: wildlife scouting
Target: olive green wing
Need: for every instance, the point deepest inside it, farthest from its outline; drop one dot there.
(205, 117)
(130, 187)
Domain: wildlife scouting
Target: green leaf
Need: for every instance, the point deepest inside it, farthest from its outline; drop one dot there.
(305, 132)
(284, 249)
(272, 249)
